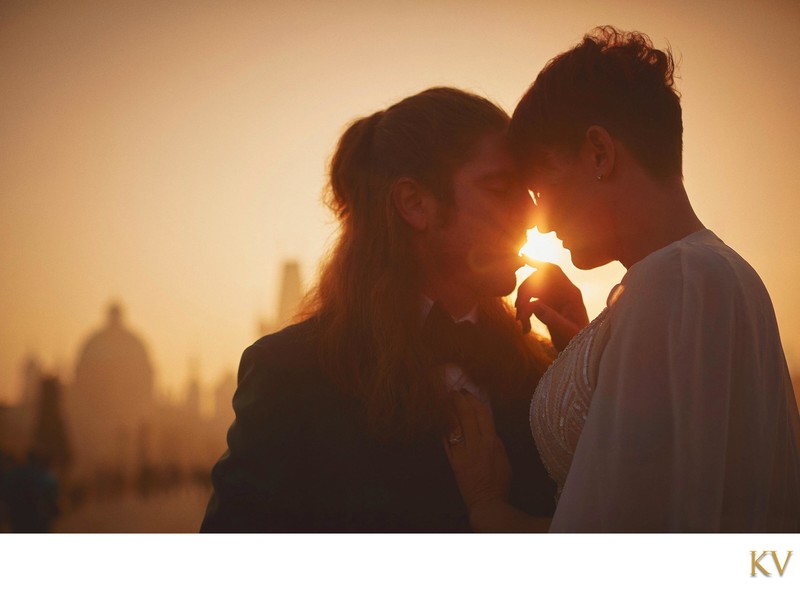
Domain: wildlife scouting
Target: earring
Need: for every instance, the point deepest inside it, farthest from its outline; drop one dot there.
(600, 177)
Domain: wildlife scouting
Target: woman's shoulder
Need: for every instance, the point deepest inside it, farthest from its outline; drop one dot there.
(700, 261)
(695, 283)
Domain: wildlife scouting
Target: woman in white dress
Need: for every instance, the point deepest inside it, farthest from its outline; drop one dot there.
(673, 410)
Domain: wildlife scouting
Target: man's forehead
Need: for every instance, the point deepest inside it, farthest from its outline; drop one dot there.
(491, 167)
(490, 151)
(497, 174)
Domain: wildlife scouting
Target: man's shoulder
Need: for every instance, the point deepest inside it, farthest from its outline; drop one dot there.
(295, 335)
(293, 344)
(287, 358)
(281, 379)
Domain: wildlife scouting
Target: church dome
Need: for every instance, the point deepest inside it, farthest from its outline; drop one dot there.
(114, 367)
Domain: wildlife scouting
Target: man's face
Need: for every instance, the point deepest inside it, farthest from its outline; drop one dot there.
(571, 202)
(478, 242)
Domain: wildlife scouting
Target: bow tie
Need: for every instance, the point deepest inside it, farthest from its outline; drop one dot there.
(465, 344)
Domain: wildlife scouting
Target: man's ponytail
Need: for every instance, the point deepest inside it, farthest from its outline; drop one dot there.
(351, 163)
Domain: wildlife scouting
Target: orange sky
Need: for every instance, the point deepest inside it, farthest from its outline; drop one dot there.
(172, 154)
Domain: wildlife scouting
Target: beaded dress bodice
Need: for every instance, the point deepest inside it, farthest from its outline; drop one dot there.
(561, 401)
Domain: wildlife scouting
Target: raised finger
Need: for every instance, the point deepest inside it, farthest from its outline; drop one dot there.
(533, 286)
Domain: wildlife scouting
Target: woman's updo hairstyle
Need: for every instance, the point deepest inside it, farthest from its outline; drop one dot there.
(614, 79)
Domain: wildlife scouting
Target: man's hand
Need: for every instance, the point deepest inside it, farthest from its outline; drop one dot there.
(552, 298)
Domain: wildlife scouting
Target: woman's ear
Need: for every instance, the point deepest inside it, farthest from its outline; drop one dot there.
(598, 148)
(414, 203)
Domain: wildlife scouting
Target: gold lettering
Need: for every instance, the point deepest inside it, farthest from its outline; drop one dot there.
(755, 563)
(778, 565)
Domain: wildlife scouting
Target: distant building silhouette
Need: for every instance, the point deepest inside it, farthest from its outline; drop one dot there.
(290, 295)
(193, 393)
(50, 440)
(291, 292)
(112, 397)
(108, 432)
(31, 380)
(223, 396)
(16, 422)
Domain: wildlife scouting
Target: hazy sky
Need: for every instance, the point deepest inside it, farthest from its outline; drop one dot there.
(172, 155)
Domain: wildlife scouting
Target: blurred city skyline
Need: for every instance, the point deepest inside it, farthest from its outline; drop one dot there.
(171, 156)
(103, 448)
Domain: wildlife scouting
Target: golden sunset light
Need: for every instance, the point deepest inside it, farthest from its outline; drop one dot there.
(173, 156)
(545, 246)
(163, 168)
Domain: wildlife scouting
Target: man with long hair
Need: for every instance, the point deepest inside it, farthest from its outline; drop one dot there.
(340, 418)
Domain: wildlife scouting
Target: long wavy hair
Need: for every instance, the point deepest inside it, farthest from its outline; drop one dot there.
(367, 299)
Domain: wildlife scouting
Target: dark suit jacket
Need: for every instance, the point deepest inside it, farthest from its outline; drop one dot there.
(299, 460)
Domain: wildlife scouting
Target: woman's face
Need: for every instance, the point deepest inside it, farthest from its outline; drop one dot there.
(571, 201)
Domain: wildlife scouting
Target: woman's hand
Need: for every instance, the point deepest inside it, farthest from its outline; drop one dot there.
(476, 454)
(550, 296)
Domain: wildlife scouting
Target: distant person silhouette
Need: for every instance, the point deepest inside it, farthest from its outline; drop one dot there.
(339, 419)
(6, 467)
(31, 495)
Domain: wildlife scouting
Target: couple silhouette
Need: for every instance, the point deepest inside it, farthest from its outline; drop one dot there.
(410, 397)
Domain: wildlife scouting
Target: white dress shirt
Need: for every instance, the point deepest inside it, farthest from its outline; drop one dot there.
(456, 378)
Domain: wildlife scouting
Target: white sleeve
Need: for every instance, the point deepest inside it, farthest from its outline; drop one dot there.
(651, 454)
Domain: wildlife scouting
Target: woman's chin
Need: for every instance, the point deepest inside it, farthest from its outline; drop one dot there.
(584, 259)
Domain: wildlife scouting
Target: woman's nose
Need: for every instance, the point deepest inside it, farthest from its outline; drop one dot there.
(537, 215)
(540, 220)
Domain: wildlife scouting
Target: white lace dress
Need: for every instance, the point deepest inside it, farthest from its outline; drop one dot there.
(673, 411)
(561, 402)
